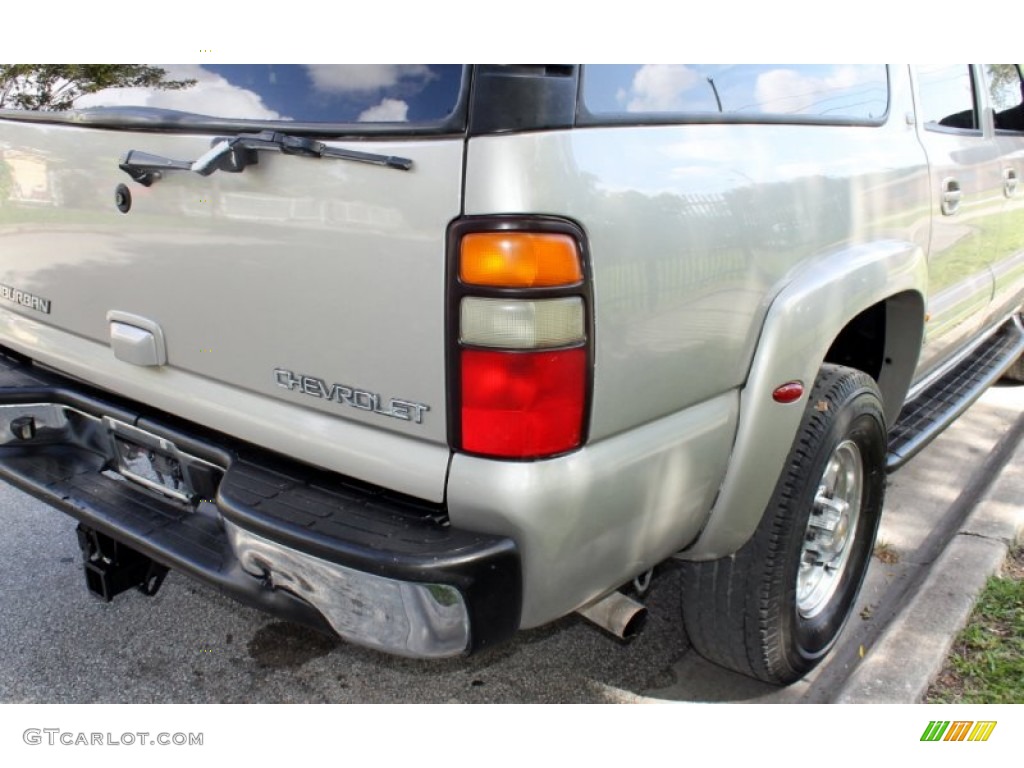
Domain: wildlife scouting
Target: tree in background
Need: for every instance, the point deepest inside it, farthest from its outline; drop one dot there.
(1004, 84)
(54, 87)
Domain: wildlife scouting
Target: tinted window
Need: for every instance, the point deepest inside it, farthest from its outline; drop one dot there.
(330, 93)
(1007, 95)
(947, 96)
(842, 91)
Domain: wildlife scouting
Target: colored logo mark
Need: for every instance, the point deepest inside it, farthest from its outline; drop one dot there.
(958, 730)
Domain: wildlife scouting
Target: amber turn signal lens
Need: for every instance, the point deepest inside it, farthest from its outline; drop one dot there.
(519, 260)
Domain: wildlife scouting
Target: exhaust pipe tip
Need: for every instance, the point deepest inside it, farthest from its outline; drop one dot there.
(618, 614)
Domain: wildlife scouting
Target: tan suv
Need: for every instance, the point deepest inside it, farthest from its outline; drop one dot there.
(424, 355)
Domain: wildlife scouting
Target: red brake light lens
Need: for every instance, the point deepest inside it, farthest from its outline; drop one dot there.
(522, 404)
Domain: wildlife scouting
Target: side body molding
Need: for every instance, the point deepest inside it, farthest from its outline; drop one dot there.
(801, 324)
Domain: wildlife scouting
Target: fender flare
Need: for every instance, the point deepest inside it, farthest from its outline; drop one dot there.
(799, 328)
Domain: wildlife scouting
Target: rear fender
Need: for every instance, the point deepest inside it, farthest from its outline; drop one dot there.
(803, 321)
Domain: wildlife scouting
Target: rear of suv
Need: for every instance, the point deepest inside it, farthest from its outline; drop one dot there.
(425, 355)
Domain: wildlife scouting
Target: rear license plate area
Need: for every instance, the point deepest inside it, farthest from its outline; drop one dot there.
(158, 464)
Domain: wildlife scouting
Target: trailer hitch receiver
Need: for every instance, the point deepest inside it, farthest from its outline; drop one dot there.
(111, 567)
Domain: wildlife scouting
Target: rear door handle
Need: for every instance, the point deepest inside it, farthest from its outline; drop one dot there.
(1009, 182)
(951, 196)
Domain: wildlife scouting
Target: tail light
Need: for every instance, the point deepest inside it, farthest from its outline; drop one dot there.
(519, 320)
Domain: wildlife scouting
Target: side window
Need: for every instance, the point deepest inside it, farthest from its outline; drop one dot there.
(797, 92)
(947, 96)
(1007, 95)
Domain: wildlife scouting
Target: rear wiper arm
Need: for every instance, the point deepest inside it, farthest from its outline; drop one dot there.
(233, 155)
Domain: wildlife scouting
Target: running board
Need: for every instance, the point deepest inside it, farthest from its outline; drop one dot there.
(943, 401)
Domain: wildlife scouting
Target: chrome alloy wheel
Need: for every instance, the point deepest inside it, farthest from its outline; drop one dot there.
(831, 529)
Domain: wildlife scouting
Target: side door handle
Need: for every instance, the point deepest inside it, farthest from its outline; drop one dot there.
(1009, 182)
(951, 196)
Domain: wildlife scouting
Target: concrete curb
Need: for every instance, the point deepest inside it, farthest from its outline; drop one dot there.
(900, 666)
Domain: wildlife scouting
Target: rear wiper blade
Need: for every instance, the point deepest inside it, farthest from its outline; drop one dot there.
(233, 155)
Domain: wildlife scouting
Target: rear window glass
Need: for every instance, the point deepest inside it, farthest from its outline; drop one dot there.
(947, 96)
(311, 93)
(836, 91)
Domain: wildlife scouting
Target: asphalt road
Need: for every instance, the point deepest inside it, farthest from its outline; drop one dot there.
(190, 644)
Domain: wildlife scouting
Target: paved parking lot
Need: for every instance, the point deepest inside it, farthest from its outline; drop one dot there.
(189, 644)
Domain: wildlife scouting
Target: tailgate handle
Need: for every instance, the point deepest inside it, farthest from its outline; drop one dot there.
(136, 340)
(233, 155)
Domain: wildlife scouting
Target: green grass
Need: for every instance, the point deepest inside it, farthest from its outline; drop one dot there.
(986, 664)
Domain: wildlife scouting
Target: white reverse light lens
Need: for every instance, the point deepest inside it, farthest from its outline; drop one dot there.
(518, 324)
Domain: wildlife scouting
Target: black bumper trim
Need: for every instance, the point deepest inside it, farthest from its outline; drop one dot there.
(315, 512)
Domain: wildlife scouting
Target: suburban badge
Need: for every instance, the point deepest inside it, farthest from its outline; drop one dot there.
(25, 298)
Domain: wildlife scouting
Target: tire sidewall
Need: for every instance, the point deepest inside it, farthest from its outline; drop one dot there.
(858, 418)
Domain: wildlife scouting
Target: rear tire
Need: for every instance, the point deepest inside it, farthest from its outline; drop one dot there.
(774, 609)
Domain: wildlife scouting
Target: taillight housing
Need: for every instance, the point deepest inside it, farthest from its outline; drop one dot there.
(520, 337)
